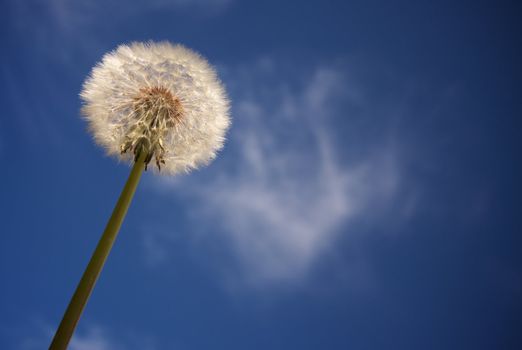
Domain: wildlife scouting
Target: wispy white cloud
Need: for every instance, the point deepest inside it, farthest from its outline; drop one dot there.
(94, 339)
(68, 13)
(66, 31)
(88, 337)
(284, 194)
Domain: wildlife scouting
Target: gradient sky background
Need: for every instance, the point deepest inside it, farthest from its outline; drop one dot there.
(366, 197)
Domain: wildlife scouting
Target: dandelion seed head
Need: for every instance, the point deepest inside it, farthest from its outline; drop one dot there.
(159, 98)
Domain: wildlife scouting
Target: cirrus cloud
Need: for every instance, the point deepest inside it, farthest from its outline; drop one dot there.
(283, 195)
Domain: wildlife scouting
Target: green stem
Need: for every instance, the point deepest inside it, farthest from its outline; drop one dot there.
(83, 291)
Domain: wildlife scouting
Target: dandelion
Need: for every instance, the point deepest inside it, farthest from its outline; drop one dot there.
(147, 102)
(159, 97)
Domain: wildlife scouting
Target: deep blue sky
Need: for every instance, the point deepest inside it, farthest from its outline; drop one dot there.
(367, 197)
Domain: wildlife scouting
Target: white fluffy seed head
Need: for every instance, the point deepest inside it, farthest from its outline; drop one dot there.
(158, 97)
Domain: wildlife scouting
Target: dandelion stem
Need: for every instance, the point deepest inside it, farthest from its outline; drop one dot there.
(84, 289)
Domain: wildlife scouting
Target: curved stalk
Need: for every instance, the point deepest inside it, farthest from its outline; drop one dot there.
(90, 276)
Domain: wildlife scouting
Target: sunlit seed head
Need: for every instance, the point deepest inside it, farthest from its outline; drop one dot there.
(157, 98)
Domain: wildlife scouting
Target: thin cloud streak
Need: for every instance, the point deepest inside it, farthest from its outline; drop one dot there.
(68, 13)
(88, 337)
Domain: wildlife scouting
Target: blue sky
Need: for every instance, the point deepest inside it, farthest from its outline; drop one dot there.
(366, 197)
